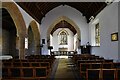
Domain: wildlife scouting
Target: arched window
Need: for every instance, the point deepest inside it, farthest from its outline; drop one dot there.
(97, 34)
(63, 38)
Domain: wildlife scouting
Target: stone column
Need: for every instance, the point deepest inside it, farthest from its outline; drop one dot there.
(37, 49)
(21, 47)
(37, 46)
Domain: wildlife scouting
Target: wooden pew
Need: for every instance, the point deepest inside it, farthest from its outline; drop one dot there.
(15, 72)
(7, 64)
(107, 65)
(17, 64)
(108, 74)
(29, 64)
(93, 74)
(118, 74)
(25, 73)
(85, 66)
(116, 64)
(101, 74)
(45, 61)
(95, 65)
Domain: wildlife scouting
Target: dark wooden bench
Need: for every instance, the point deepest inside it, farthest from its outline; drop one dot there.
(93, 74)
(24, 73)
(118, 74)
(102, 74)
(85, 66)
(116, 64)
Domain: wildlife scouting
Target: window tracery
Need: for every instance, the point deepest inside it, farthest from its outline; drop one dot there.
(63, 38)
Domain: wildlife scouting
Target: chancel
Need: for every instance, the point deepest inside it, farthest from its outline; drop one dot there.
(59, 40)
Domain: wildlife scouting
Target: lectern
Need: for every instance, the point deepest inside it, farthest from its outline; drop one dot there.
(50, 47)
(86, 49)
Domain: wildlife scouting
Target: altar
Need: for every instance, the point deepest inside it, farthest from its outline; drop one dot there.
(63, 49)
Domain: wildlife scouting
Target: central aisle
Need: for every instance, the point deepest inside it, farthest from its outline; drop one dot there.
(64, 70)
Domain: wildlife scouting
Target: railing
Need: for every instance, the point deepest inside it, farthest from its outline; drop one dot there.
(59, 53)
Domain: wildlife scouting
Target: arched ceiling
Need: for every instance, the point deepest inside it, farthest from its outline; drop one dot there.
(38, 10)
(64, 24)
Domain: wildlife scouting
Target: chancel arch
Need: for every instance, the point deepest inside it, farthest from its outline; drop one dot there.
(33, 38)
(20, 26)
(66, 19)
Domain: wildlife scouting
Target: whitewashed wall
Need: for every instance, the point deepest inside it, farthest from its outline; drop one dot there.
(119, 30)
(75, 42)
(69, 12)
(27, 18)
(108, 20)
(55, 40)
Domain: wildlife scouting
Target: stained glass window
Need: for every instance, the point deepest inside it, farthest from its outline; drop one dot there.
(97, 34)
(63, 38)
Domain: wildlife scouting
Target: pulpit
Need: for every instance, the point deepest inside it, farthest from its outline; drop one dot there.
(85, 49)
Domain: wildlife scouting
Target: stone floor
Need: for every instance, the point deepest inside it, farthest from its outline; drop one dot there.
(64, 69)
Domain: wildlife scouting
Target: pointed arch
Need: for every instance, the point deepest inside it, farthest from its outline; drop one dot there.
(69, 21)
(62, 31)
(36, 33)
(17, 17)
(19, 22)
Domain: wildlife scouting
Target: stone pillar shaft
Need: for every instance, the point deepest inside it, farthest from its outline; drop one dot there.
(21, 47)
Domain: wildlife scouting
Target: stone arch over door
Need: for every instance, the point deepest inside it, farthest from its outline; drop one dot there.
(36, 33)
(69, 21)
(18, 20)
